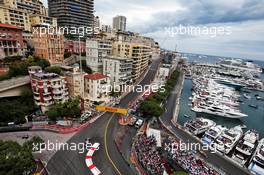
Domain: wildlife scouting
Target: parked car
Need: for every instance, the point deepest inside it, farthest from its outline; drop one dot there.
(85, 116)
(139, 123)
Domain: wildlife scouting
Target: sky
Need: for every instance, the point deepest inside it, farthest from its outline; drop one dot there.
(239, 24)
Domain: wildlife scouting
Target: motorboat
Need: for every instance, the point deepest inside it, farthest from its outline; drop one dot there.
(256, 165)
(253, 106)
(228, 139)
(199, 125)
(211, 134)
(247, 96)
(246, 147)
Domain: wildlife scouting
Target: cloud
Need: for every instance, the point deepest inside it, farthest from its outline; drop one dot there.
(246, 17)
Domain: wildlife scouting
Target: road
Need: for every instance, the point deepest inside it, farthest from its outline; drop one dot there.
(215, 159)
(107, 159)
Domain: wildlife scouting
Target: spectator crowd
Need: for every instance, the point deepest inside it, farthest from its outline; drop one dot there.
(188, 160)
(148, 155)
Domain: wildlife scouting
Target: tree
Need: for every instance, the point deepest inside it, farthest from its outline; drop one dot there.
(179, 173)
(85, 68)
(53, 69)
(29, 145)
(67, 54)
(71, 108)
(53, 113)
(150, 108)
(15, 159)
(15, 109)
(43, 63)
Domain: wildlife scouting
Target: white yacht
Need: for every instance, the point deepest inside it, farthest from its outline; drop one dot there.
(256, 166)
(238, 64)
(228, 139)
(220, 110)
(199, 125)
(214, 132)
(246, 147)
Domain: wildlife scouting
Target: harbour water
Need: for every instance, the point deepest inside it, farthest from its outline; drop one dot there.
(255, 119)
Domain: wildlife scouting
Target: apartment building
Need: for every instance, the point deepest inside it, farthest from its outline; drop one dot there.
(49, 45)
(11, 41)
(72, 13)
(37, 19)
(24, 13)
(96, 88)
(48, 88)
(73, 77)
(96, 50)
(118, 69)
(16, 17)
(139, 53)
(119, 23)
(74, 46)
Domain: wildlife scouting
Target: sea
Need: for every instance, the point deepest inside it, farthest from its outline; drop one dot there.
(255, 119)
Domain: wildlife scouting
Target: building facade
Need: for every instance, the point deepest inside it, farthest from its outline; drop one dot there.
(73, 77)
(48, 88)
(118, 69)
(24, 13)
(119, 23)
(49, 45)
(106, 28)
(138, 52)
(96, 50)
(96, 88)
(73, 46)
(72, 13)
(11, 41)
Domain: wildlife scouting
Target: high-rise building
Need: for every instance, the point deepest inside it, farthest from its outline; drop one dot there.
(119, 23)
(106, 28)
(72, 13)
(96, 50)
(49, 45)
(96, 22)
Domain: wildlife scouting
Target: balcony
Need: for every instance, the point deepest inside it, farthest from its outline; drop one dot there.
(58, 97)
(57, 91)
(47, 98)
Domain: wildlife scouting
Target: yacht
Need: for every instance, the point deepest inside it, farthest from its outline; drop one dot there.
(223, 111)
(238, 64)
(247, 96)
(257, 162)
(214, 132)
(228, 139)
(246, 147)
(199, 125)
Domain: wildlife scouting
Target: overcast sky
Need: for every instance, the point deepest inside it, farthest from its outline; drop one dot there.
(244, 20)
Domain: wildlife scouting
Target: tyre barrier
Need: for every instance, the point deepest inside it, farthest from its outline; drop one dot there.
(88, 159)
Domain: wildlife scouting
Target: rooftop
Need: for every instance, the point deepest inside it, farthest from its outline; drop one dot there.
(95, 76)
(42, 75)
